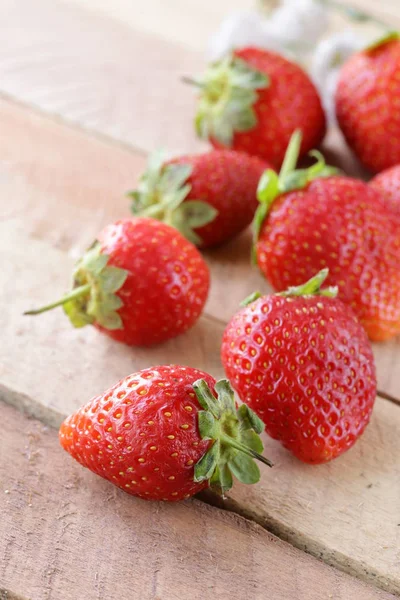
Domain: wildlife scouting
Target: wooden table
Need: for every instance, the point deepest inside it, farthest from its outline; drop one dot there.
(88, 88)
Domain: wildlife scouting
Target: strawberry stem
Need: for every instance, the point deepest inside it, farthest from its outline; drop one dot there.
(390, 36)
(271, 185)
(238, 446)
(192, 81)
(235, 434)
(312, 287)
(250, 299)
(93, 298)
(292, 154)
(75, 293)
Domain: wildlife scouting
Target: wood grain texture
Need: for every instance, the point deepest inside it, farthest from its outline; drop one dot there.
(346, 512)
(33, 272)
(385, 9)
(67, 535)
(188, 22)
(118, 77)
(62, 185)
(351, 505)
(97, 72)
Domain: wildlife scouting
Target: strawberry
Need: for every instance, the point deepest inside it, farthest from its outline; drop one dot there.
(253, 100)
(166, 433)
(141, 283)
(303, 363)
(209, 197)
(310, 219)
(367, 103)
(388, 184)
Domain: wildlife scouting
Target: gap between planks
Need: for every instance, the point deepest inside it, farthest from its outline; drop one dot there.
(345, 512)
(126, 118)
(132, 548)
(53, 177)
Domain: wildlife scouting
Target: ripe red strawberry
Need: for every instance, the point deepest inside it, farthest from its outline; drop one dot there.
(388, 184)
(303, 363)
(209, 197)
(367, 104)
(309, 219)
(253, 100)
(166, 433)
(141, 283)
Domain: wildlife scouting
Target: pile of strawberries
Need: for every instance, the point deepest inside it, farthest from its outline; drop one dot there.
(300, 360)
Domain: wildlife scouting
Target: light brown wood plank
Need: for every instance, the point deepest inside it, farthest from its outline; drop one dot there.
(98, 73)
(82, 362)
(346, 511)
(175, 21)
(388, 10)
(118, 77)
(62, 185)
(39, 66)
(66, 534)
(187, 22)
(95, 113)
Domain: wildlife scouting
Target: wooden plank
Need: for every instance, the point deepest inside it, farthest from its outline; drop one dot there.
(66, 534)
(175, 19)
(111, 79)
(63, 186)
(115, 78)
(346, 511)
(176, 23)
(25, 390)
(33, 271)
(192, 23)
(80, 90)
(388, 10)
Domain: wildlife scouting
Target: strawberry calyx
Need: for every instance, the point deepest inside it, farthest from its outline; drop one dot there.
(234, 432)
(272, 185)
(312, 287)
(250, 299)
(160, 195)
(390, 36)
(93, 297)
(228, 92)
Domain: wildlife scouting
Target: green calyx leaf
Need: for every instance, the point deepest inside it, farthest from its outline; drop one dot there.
(244, 468)
(312, 287)
(208, 463)
(235, 434)
(162, 194)
(250, 299)
(390, 36)
(249, 419)
(192, 215)
(271, 185)
(207, 425)
(222, 478)
(228, 92)
(93, 297)
(100, 303)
